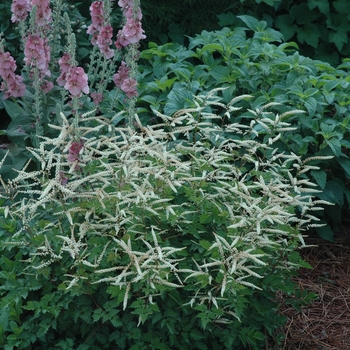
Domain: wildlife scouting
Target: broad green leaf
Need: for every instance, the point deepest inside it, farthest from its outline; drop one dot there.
(287, 26)
(345, 164)
(13, 109)
(335, 145)
(325, 232)
(320, 177)
(221, 74)
(311, 105)
(339, 37)
(252, 23)
(309, 34)
(180, 97)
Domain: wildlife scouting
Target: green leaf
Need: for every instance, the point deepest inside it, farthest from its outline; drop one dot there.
(345, 164)
(14, 110)
(252, 23)
(333, 192)
(342, 6)
(320, 177)
(221, 74)
(287, 26)
(309, 34)
(335, 146)
(339, 37)
(311, 105)
(322, 5)
(326, 233)
(180, 97)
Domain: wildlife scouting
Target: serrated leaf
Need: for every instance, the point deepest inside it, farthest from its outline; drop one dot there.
(180, 97)
(339, 38)
(286, 25)
(311, 105)
(309, 34)
(335, 146)
(322, 5)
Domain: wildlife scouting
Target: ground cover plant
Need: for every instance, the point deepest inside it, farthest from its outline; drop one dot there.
(157, 205)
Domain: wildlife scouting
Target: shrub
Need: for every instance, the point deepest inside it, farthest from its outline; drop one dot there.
(189, 226)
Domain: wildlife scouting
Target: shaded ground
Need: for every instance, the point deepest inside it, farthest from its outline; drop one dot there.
(325, 324)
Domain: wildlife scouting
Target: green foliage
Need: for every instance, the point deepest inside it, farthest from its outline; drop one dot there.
(174, 235)
(320, 27)
(260, 64)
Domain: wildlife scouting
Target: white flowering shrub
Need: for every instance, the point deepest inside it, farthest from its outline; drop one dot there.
(166, 236)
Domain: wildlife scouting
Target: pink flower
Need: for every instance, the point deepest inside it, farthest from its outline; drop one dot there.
(122, 40)
(97, 97)
(13, 88)
(74, 152)
(20, 9)
(133, 31)
(46, 86)
(129, 87)
(104, 40)
(63, 178)
(124, 4)
(64, 63)
(76, 81)
(129, 13)
(43, 11)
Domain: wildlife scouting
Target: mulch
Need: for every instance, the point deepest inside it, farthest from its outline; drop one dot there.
(325, 323)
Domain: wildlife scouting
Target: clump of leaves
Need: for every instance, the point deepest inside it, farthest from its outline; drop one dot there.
(189, 226)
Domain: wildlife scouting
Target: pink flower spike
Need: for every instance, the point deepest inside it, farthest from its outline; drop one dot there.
(64, 62)
(12, 84)
(121, 75)
(43, 11)
(104, 40)
(97, 19)
(7, 64)
(37, 53)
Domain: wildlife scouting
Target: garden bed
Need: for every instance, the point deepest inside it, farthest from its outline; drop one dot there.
(325, 324)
